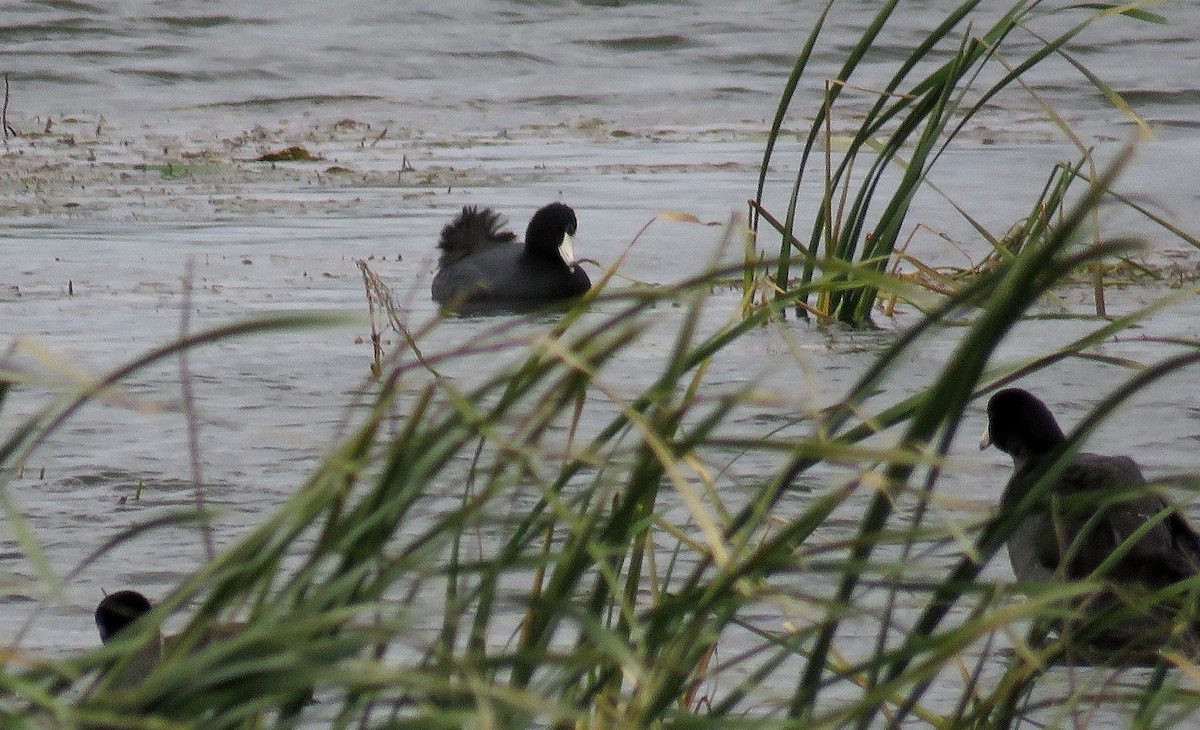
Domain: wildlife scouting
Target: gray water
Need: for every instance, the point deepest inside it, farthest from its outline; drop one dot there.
(450, 67)
(623, 111)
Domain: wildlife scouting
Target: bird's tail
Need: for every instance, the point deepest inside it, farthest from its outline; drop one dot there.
(473, 231)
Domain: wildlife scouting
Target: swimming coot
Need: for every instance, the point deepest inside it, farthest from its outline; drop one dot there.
(121, 609)
(116, 612)
(1094, 506)
(481, 263)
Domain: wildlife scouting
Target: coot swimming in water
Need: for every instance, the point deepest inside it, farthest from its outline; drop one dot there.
(121, 609)
(116, 612)
(481, 263)
(1096, 504)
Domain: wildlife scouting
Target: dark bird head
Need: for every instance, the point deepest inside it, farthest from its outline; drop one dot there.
(551, 232)
(1020, 425)
(119, 610)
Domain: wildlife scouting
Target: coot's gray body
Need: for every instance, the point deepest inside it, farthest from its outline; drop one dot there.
(1093, 508)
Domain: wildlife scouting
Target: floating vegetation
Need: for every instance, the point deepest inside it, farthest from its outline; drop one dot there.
(294, 153)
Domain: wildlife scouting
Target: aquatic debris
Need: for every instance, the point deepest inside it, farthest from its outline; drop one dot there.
(295, 153)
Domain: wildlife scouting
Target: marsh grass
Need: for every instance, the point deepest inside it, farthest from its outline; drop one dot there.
(924, 107)
(545, 544)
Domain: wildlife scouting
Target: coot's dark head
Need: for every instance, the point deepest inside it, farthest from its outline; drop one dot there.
(551, 232)
(1021, 425)
(119, 610)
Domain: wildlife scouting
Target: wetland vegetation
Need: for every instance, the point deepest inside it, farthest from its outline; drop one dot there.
(602, 558)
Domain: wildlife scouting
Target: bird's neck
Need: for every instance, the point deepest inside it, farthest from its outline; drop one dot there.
(1025, 461)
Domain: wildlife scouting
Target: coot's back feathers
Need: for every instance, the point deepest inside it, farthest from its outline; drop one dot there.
(1110, 493)
(473, 231)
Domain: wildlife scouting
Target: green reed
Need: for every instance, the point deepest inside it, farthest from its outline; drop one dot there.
(922, 109)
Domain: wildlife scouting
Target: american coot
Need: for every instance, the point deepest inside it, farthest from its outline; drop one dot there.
(121, 609)
(1095, 505)
(481, 263)
(116, 612)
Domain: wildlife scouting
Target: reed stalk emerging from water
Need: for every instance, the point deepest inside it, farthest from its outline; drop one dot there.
(948, 78)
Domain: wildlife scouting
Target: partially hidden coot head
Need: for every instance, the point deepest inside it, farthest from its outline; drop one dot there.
(1020, 424)
(119, 610)
(551, 232)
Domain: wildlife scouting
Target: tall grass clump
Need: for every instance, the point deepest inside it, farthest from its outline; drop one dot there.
(924, 106)
(549, 542)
